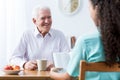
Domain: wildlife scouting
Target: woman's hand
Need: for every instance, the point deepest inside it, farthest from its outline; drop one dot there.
(54, 74)
(49, 67)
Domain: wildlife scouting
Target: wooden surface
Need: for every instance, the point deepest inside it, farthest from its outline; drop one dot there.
(26, 75)
(96, 67)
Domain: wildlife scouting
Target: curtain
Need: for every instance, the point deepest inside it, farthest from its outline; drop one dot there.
(12, 24)
(2, 31)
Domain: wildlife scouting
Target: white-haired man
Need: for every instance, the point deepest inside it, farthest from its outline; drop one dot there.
(39, 43)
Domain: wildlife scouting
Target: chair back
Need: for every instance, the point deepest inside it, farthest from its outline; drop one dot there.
(73, 40)
(96, 67)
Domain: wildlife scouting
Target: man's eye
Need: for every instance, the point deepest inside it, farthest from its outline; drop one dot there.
(42, 18)
(49, 17)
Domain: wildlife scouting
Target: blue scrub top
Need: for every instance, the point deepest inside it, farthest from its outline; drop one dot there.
(90, 49)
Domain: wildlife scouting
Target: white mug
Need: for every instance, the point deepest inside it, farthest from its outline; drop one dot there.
(41, 64)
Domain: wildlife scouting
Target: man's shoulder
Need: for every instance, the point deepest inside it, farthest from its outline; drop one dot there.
(56, 32)
(28, 32)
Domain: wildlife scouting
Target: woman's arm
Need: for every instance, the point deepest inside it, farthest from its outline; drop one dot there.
(59, 76)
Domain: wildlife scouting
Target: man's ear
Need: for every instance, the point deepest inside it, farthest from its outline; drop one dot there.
(34, 20)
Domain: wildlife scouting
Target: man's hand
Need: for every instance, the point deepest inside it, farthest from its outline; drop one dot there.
(30, 65)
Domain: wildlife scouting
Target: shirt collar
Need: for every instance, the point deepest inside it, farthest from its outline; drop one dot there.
(37, 33)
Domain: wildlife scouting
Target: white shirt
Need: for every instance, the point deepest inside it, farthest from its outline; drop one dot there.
(34, 46)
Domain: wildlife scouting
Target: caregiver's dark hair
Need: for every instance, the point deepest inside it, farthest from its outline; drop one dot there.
(108, 12)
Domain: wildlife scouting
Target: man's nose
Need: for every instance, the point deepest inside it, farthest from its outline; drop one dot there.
(46, 20)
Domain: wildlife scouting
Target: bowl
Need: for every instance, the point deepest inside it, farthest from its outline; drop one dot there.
(11, 72)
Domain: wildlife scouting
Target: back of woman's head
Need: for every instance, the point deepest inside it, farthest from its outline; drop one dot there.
(108, 12)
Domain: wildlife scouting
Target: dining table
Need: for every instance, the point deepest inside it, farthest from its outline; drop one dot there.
(26, 75)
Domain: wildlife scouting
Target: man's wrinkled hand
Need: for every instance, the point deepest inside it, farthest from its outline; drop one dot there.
(30, 65)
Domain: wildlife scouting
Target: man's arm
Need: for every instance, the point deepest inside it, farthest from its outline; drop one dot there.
(18, 56)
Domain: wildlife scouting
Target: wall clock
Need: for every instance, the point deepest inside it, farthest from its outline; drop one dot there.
(69, 7)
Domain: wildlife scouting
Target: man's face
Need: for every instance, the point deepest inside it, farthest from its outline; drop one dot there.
(43, 21)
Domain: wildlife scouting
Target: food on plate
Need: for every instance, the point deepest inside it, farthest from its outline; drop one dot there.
(8, 67)
(16, 67)
(12, 67)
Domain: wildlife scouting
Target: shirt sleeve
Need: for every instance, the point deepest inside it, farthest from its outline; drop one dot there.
(77, 54)
(64, 47)
(18, 56)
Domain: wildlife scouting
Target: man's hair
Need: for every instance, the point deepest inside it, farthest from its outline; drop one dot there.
(37, 9)
(108, 11)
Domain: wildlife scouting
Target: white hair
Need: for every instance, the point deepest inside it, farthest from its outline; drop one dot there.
(37, 9)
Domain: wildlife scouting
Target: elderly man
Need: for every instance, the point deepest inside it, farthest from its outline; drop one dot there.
(39, 43)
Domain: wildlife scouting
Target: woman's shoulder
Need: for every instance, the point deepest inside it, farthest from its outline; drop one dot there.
(90, 37)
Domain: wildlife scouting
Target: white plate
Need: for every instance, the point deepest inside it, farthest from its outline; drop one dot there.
(11, 72)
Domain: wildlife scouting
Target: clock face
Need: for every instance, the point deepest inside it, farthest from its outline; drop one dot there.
(69, 6)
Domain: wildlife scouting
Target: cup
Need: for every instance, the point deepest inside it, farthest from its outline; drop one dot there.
(61, 59)
(42, 65)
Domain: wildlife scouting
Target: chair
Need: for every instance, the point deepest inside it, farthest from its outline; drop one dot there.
(72, 41)
(96, 67)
